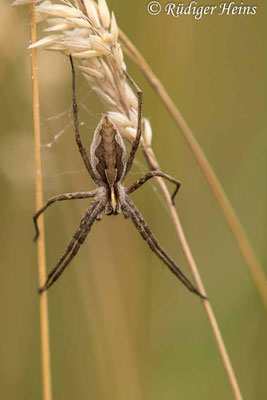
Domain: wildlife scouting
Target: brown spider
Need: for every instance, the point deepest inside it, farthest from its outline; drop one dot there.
(108, 168)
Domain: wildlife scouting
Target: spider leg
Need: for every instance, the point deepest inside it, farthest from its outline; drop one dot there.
(154, 245)
(82, 150)
(79, 231)
(80, 241)
(139, 126)
(150, 175)
(60, 197)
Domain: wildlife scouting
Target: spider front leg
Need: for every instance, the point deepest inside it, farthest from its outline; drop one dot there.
(131, 211)
(82, 150)
(60, 197)
(150, 175)
(74, 245)
(139, 125)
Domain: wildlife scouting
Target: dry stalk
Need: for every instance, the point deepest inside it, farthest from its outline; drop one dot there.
(45, 350)
(90, 33)
(214, 325)
(231, 217)
(197, 278)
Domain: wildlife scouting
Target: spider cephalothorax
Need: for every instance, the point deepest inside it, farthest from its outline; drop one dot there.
(108, 168)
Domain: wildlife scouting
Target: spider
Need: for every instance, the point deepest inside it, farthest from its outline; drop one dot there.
(108, 168)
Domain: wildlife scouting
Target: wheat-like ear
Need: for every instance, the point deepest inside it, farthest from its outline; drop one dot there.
(89, 32)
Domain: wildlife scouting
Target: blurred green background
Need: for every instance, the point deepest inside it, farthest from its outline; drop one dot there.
(122, 327)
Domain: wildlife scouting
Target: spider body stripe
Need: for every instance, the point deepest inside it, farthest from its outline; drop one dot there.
(108, 159)
(108, 168)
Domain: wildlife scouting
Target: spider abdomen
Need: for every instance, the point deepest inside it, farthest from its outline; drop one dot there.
(108, 153)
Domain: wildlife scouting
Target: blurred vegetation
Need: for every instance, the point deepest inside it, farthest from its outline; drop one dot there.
(121, 326)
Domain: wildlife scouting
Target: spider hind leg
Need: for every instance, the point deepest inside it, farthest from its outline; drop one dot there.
(142, 227)
(78, 238)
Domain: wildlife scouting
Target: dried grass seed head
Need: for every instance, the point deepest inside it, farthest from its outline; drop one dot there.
(89, 32)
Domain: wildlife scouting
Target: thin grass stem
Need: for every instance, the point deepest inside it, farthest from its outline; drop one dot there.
(231, 217)
(196, 275)
(44, 327)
